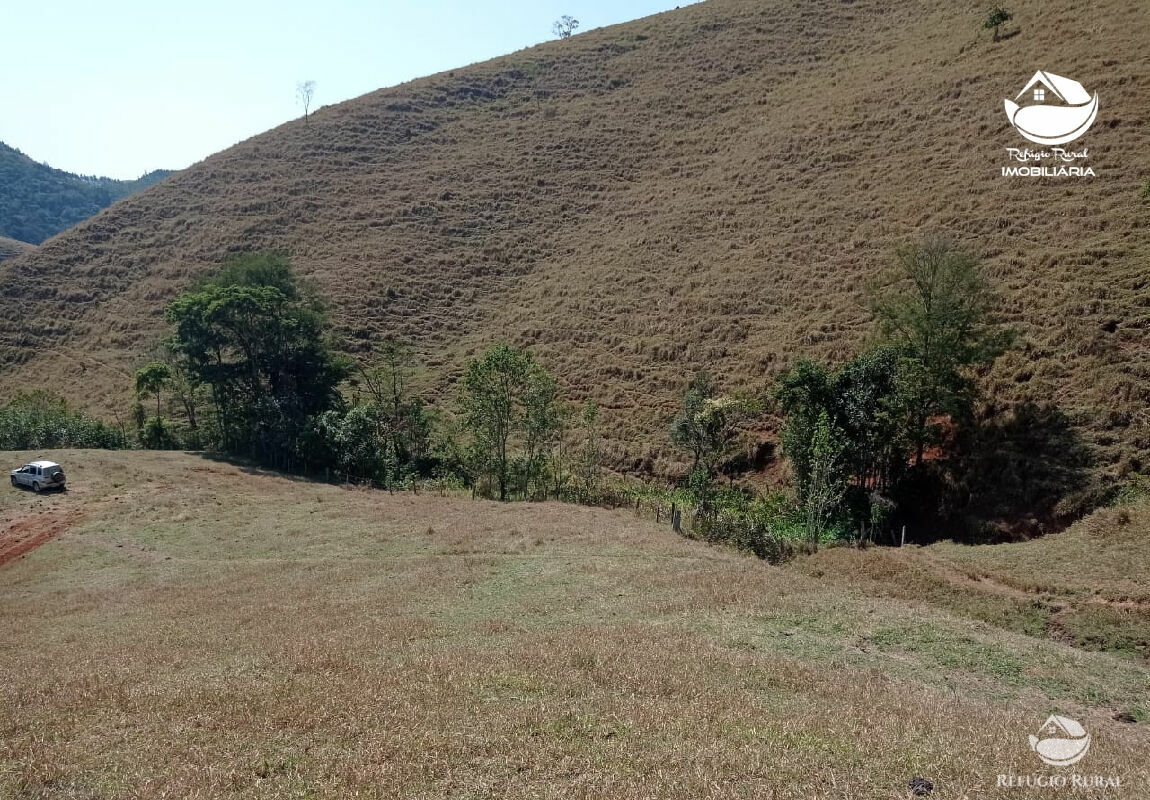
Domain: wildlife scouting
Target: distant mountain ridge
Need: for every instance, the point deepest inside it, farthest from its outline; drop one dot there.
(38, 201)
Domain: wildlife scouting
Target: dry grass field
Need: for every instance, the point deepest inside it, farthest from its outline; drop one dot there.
(708, 187)
(189, 628)
(10, 248)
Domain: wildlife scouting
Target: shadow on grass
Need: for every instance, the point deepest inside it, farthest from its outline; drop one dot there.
(1021, 474)
(1031, 461)
(252, 467)
(1027, 472)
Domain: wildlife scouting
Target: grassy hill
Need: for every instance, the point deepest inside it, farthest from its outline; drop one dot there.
(10, 248)
(708, 187)
(177, 626)
(37, 201)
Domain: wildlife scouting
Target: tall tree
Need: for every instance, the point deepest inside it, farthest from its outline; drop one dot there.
(151, 379)
(403, 429)
(870, 405)
(259, 342)
(845, 428)
(508, 403)
(936, 305)
(591, 451)
(804, 394)
(825, 484)
(707, 429)
(542, 424)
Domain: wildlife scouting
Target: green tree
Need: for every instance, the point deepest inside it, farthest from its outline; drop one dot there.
(996, 18)
(825, 484)
(189, 394)
(151, 379)
(935, 307)
(542, 428)
(870, 405)
(508, 403)
(354, 442)
(863, 407)
(707, 428)
(804, 395)
(259, 343)
(403, 426)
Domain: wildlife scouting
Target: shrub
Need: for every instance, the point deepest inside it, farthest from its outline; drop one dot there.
(37, 420)
(996, 18)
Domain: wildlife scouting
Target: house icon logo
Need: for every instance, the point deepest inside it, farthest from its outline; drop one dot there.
(1053, 109)
(1061, 741)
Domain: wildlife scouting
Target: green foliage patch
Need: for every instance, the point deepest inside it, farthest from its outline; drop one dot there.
(41, 420)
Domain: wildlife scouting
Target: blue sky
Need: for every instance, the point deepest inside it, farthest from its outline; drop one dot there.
(122, 87)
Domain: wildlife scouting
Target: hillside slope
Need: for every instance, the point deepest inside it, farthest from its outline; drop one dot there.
(37, 201)
(10, 248)
(708, 187)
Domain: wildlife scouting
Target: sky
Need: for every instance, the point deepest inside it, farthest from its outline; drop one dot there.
(122, 87)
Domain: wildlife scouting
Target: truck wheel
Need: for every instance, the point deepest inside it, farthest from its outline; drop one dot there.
(14, 481)
(36, 486)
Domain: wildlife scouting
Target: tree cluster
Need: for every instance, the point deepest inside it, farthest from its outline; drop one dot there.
(251, 370)
(858, 436)
(855, 434)
(256, 340)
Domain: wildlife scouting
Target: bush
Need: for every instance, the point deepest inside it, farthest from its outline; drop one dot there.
(156, 435)
(40, 420)
(996, 18)
(771, 527)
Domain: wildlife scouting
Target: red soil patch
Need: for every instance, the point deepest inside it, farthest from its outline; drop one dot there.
(26, 534)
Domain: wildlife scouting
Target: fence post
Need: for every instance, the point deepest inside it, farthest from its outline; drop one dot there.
(903, 540)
